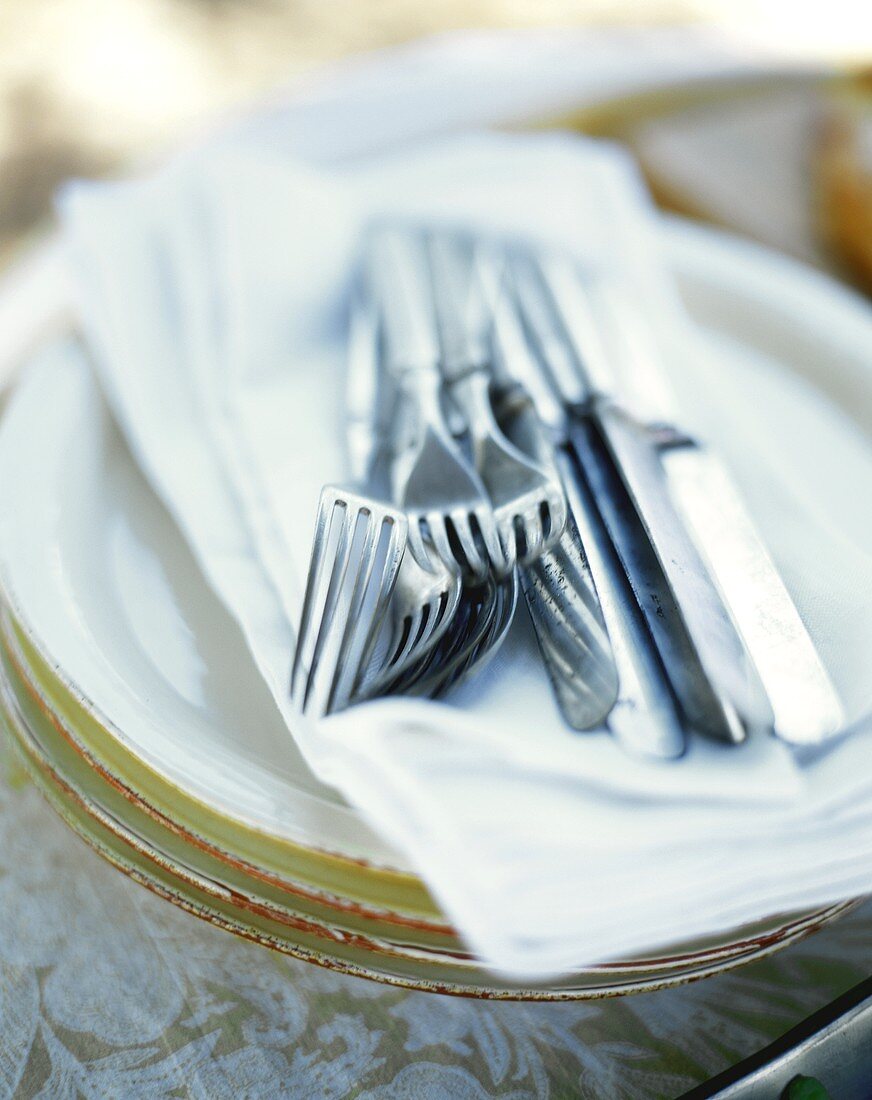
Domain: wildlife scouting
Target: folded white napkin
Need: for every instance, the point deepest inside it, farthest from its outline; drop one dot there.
(213, 296)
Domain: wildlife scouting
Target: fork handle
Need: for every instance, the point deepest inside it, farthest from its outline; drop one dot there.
(471, 391)
(400, 277)
(424, 392)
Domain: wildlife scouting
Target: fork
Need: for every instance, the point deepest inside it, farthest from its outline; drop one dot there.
(444, 498)
(559, 588)
(423, 600)
(563, 603)
(357, 549)
(528, 502)
(477, 630)
(422, 608)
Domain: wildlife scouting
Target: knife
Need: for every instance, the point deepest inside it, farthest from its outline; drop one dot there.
(740, 621)
(684, 614)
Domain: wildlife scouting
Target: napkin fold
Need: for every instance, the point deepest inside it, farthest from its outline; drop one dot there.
(213, 295)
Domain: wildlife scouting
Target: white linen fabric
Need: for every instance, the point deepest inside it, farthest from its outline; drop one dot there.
(213, 295)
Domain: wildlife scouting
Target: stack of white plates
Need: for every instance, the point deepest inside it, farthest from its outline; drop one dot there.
(139, 712)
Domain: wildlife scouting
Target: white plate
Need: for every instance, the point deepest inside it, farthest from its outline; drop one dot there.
(102, 580)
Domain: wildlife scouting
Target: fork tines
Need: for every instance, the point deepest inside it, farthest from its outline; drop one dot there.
(356, 554)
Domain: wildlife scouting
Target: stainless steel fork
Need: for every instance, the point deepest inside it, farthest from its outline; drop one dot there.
(444, 498)
(477, 630)
(358, 546)
(527, 499)
(424, 600)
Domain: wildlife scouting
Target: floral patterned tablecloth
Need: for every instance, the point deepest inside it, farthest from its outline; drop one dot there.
(107, 990)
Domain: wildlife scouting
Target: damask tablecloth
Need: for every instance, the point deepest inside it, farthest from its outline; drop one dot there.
(109, 991)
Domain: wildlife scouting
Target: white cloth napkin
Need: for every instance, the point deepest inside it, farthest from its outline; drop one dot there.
(213, 295)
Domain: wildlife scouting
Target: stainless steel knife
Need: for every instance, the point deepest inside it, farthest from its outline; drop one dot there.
(740, 621)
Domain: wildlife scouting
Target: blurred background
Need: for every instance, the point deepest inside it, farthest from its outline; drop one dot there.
(87, 86)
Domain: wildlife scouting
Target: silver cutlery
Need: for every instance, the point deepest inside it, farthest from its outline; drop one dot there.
(612, 675)
(424, 600)
(577, 651)
(604, 369)
(480, 624)
(374, 618)
(702, 653)
(370, 400)
(472, 627)
(644, 718)
(515, 413)
(527, 499)
(357, 549)
(803, 701)
(444, 498)
(422, 609)
(479, 645)
(558, 587)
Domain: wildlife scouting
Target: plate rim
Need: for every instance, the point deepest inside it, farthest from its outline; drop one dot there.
(709, 948)
(648, 976)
